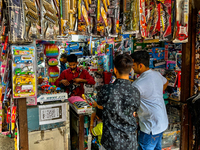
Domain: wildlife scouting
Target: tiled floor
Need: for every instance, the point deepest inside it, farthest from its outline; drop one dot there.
(6, 143)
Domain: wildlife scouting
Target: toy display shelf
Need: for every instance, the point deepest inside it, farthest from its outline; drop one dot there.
(52, 97)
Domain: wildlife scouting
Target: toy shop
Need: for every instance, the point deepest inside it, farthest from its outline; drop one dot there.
(41, 108)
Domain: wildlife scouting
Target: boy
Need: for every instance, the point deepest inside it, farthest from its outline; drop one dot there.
(74, 75)
(119, 101)
(63, 61)
(152, 113)
(98, 129)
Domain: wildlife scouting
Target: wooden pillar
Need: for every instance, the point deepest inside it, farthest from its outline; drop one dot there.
(23, 127)
(81, 132)
(187, 81)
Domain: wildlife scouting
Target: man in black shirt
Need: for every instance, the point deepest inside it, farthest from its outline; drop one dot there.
(119, 100)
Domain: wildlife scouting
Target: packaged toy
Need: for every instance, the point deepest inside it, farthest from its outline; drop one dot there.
(68, 12)
(182, 15)
(32, 20)
(16, 21)
(50, 19)
(23, 71)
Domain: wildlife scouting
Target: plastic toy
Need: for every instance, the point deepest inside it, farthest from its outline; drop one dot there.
(53, 62)
(23, 71)
(51, 51)
(23, 59)
(24, 88)
(53, 72)
(182, 15)
(24, 80)
(74, 49)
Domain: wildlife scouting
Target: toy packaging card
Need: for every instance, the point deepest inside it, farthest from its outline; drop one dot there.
(50, 16)
(84, 26)
(68, 12)
(130, 14)
(178, 61)
(153, 19)
(24, 71)
(103, 24)
(32, 20)
(182, 16)
(113, 17)
(166, 23)
(93, 17)
(149, 19)
(16, 21)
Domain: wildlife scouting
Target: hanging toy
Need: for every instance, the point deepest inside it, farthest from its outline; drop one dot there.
(51, 51)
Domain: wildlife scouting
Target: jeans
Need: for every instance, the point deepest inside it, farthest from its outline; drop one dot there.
(149, 141)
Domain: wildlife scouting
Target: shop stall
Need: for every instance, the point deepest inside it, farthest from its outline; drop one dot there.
(38, 113)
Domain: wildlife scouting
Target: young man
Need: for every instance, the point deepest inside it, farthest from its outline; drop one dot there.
(152, 112)
(63, 61)
(74, 75)
(119, 101)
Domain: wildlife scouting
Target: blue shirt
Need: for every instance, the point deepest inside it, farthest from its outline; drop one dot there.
(152, 111)
(62, 67)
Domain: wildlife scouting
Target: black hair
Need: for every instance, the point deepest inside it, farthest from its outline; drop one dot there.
(141, 57)
(123, 63)
(72, 58)
(63, 55)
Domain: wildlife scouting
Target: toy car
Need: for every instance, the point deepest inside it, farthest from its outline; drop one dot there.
(24, 88)
(24, 80)
(25, 70)
(23, 59)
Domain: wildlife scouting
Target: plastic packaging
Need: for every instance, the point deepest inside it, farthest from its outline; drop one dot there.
(50, 19)
(16, 21)
(182, 15)
(32, 20)
(24, 71)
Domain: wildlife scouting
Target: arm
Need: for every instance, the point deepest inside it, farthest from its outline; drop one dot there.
(165, 85)
(59, 80)
(96, 105)
(88, 78)
(92, 121)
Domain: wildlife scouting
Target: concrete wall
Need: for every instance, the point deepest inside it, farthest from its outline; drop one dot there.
(49, 137)
(47, 140)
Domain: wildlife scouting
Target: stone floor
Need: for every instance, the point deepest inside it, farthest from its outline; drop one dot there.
(6, 143)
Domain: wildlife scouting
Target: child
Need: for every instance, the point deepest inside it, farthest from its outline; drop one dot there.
(119, 101)
(98, 129)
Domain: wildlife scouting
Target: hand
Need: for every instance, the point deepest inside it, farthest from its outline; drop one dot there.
(135, 114)
(65, 82)
(78, 80)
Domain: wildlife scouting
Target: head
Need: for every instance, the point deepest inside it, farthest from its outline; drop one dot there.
(122, 65)
(63, 58)
(72, 60)
(140, 61)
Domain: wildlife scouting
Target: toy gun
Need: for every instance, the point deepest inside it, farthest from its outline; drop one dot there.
(103, 13)
(72, 11)
(114, 18)
(85, 15)
(58, 13)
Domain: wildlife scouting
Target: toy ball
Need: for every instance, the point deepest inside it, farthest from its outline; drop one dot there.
(53, 62)
(53, 72)
(51, 50)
